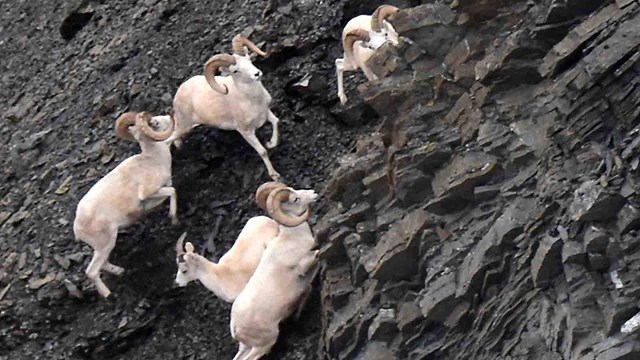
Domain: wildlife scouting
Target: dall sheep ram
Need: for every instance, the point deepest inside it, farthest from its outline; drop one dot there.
(235, 102)
(136, 186)
(283, 277)
(229, 276)
(360, 38)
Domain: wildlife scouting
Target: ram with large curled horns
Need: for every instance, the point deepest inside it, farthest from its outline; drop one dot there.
(230, 274)
(283, 277)
(136, 186)
(238, 101)
(360, 38)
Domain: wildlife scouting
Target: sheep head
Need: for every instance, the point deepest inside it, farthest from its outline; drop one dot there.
(290, 207)
(188, 262)
(238, 65)
(143, 128)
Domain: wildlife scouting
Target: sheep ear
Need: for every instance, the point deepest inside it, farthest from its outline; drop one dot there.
(189, 247)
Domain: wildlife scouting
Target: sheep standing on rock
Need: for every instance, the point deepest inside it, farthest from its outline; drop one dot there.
(360, 38)
(282, 278)
(235, 102)
(229, 276)
(135, 187)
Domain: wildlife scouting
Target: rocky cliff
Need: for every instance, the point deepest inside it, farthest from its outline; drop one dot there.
(479, 202)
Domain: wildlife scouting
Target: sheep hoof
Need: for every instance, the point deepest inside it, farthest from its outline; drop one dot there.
(343, 99)
(113, 269)
(175, 221)
(271, 145)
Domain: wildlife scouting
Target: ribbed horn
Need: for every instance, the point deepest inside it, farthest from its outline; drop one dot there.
(239, 42)
(212, 66)
(383, 12)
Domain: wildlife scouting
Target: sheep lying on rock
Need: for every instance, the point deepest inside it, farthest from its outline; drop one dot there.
(135, 187)
(360, 38)
(282, 278)
(229, 276)
(235, 102)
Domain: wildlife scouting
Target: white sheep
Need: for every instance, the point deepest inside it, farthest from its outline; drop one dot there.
(235, 102)
(135, 187)
(283, 276)
(360, 38)
(229, 276)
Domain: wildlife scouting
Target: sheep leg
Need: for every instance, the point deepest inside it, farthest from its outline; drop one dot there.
(369, 74)
(307, 264)
(274, 134)
(250, 137)
(113, 269)
(339, 73)
(169, 192)
(98, 261)
(242, 351)
(258, 351)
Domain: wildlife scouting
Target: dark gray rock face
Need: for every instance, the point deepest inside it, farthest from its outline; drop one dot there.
(504, 220)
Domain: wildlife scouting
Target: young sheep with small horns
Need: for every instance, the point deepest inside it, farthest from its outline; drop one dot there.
(135, 187)
(235, 102)
(283, 276)
(360, 38)
(228, 277)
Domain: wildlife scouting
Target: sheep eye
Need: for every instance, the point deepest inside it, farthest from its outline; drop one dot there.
(296, 200)
(235, 71)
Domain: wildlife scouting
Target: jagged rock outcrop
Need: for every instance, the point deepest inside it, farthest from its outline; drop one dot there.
(501, 193)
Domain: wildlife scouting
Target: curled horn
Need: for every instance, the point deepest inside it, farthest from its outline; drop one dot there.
(263, 193)
(274, 201)
(239, 42)
(382, 13)
(122, 125)
(179, 244)
(142, 122)
(354, 35)
(210, 68)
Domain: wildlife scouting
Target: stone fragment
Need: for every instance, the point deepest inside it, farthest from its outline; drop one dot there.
(596, 240)
(376, 350)
(409, 316)
(573, 252)
(591, 202)
(379, 183)
(385, 95)
(36, 283)
(598, 262)
(439, 299)
(333, 249)
(386, 60)
(411, 186)
(628, 219)
(395, 255)
(631, 325)
(546, 263)
(464, 173)
(446, 204)
(562, 53)
(505, 63)
(355, 252)
(427, 157)
(384, 327)
(367, 231)
(432, 26)
(336, 288)
(486, 192)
